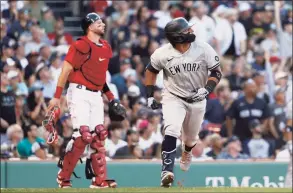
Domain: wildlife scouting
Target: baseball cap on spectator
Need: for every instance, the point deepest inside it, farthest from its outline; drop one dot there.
(258, 73)
(143, 112)
(280, 75)
(151, 17)
(24, 11)
(143, 125)
(220, 10)
(125, 61)
(153, 113)
(40, 67)
(275, 59)
(231, 139)
(36, 86)
(125, 45)
(133, 91)
(258, 9)
(259, 52)
(9, 43)
(12, 74)
(130, 73)
(32, 53)
(45, 9)
(244, 6)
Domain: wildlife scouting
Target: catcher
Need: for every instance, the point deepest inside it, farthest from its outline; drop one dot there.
(85, 68)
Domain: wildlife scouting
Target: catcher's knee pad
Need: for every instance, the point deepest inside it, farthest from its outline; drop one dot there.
(101, 132)
(173, 130)
(67, 163)
(86, 134)
(96, 164)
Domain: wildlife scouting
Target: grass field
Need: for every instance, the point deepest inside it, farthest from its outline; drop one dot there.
(144, 190)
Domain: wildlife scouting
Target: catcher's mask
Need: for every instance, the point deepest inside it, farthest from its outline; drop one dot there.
(174, 31)
(88, 20)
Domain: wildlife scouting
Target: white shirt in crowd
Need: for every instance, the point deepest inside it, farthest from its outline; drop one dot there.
(55, 74)
(163, 18)
(204, 28)
(224, 35)
(111, 148)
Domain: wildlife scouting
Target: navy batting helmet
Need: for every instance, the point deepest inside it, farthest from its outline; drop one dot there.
(88, 20)
(174, 31)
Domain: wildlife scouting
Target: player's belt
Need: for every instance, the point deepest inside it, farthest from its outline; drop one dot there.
(79, 86)
(188, 100)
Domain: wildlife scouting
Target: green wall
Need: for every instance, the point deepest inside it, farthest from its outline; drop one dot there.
(147, 174)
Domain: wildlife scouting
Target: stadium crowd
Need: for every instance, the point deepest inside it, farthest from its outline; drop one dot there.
(246, 115)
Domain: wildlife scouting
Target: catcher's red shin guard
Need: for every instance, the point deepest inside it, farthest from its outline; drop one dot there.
(72, 155)
(96, 166)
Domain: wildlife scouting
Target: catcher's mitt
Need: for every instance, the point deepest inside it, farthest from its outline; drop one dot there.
(49, 124)
(116, 111)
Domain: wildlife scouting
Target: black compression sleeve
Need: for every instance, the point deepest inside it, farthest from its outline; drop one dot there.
(150, 90)
(105, 88)
(213, 80)
(152, 69)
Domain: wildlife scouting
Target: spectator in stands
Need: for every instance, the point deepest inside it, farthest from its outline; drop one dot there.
(7, 106)
(278, 120)
(118, 78)
(114, 140)
(245, 109)
(204, 136)
(21, 25)
(232, 150)
(44, 77)
(36, 43)
(16, 82)
(21, 110)
(48, 20)
(236, 78)
(20, 56)
(153, 31)
(232, 39)
(163, 14)
(11, 14)
(8, 46)
(259, 78)
(257, 147)
(123, 53)
(35, 7)
(270, 44)
(29, 71)
(145, 135)
(45, 53)
(217, 108)
(55, 66)
(141, 47)
(128, 151)
(204, 25)
(60, 33)
(284, 32)
(36, 104)
(32, 145)
(259, 63)
(216, 143)
(14, 135)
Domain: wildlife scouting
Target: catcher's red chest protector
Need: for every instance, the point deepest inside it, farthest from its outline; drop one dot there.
(91, 60)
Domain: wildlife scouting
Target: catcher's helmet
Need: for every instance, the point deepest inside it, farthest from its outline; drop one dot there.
(88, 20)
(173, 31)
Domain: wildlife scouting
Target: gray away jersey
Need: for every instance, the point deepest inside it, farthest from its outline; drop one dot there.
(184, 73)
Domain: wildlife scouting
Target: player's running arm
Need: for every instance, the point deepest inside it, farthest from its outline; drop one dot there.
(150, 80)
(215, 76)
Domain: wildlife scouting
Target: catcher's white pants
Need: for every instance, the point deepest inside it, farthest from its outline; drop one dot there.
(85, 107)
(182, 118)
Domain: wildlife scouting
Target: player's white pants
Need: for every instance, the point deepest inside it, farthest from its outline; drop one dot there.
(85, 107)
(183, 118)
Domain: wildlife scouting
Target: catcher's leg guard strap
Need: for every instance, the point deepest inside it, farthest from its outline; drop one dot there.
(96, 165)
(74, 150)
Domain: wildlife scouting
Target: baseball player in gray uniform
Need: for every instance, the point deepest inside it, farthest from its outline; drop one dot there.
(191, 71)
